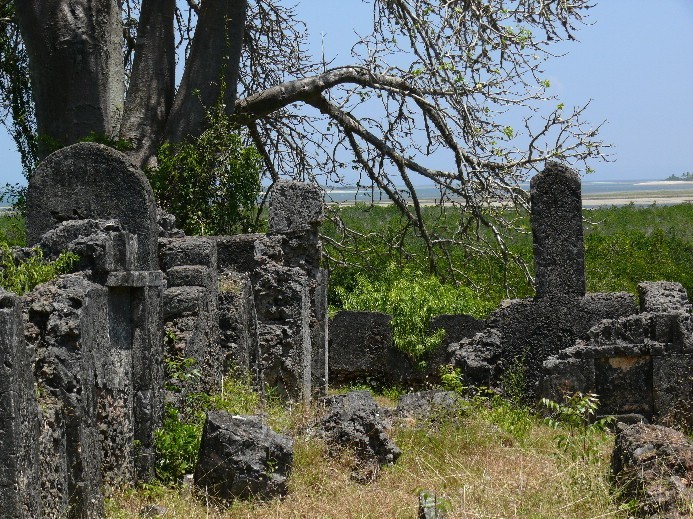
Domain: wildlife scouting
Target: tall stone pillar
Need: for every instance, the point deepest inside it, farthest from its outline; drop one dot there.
(19, 417)
(559, 251)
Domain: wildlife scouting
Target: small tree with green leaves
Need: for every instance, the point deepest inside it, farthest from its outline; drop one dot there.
(211, 183)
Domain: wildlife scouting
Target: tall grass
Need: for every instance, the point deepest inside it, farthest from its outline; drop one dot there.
(492, 460)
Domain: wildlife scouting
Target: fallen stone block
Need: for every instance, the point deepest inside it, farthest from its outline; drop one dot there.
(355, 421)
(241, 458)
(654, 465)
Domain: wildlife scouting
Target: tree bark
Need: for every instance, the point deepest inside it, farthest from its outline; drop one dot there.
(77, 74)
(214, 62)
(152, 81)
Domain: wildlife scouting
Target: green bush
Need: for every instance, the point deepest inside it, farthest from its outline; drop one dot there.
(21, 277)
(177, 444)
(412, 299)
(210, 184)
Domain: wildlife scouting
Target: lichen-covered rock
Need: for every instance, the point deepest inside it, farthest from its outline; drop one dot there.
(241, 458)
(654, 465)
(355, 421)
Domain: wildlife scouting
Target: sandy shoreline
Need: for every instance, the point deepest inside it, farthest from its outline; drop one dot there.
(639, 198)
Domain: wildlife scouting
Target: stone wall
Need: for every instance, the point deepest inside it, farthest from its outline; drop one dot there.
(84, 355)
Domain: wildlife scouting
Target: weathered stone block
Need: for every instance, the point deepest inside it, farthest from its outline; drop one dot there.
(190, 250)
(92, 181)
(238, 324)
(19, 417)
(180, 301)
(663, 296)
(189, 275)
(359, 345)
(248, 252)
(672, 377)
(355, 421)
(654, 465)
(624, 385)
(241, 458)
(295, 206)
(565, 377)
(68, 327)
(556, 214)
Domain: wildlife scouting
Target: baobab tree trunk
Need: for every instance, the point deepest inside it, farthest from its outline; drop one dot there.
(77, 73)
(213, 63)
(152, 80)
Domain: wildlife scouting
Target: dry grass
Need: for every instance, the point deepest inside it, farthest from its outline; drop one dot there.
(484, 464)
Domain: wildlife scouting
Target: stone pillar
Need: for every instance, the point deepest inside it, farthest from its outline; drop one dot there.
(131, 385)
(296, 211)
(19, 417)
(68, 326)
(559, 252)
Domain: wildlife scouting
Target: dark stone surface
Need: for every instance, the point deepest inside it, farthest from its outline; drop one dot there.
(624, 385)
(19, 417)
(92, 181)
(663, 296)
(672, 380)
(566, 377)
(240, 458)
(533, 330)
(101, 244)
(190, 250)
(238, 325)
(457, 327)
(354, 420)
(248, 252)
(428, 405)
(282, 306)
(65, 326)
(654, 465)
(359, 346)
(295, 206)
(559, 253)
(479, 358)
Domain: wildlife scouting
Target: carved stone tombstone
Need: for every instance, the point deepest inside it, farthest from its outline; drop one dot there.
(92, 181)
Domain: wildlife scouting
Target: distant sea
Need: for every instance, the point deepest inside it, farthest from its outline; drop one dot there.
(618, 188)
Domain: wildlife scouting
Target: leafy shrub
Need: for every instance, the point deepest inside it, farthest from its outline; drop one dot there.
(21, 277)
(412, 299)
(211, 183)
(177, 445)
(578, 430)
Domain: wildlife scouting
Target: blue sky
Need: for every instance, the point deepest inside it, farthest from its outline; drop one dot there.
(635, 63)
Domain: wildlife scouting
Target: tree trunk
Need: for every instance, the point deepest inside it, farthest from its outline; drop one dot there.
(77, 73)
(152, 81)
(214, 61)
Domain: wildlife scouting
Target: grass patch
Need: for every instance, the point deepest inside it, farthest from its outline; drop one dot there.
(493, 460)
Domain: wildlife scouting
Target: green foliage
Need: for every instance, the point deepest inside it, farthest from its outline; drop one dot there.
(12, 230)
(210, 184)
(21, 277)
(177, 444)
(412, 298)
(579, 432)
(179, 370)
(451, 378)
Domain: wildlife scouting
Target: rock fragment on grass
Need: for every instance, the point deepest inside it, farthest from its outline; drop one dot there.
(241, 458)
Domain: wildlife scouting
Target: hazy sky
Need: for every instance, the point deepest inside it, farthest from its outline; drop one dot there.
(635, 63)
